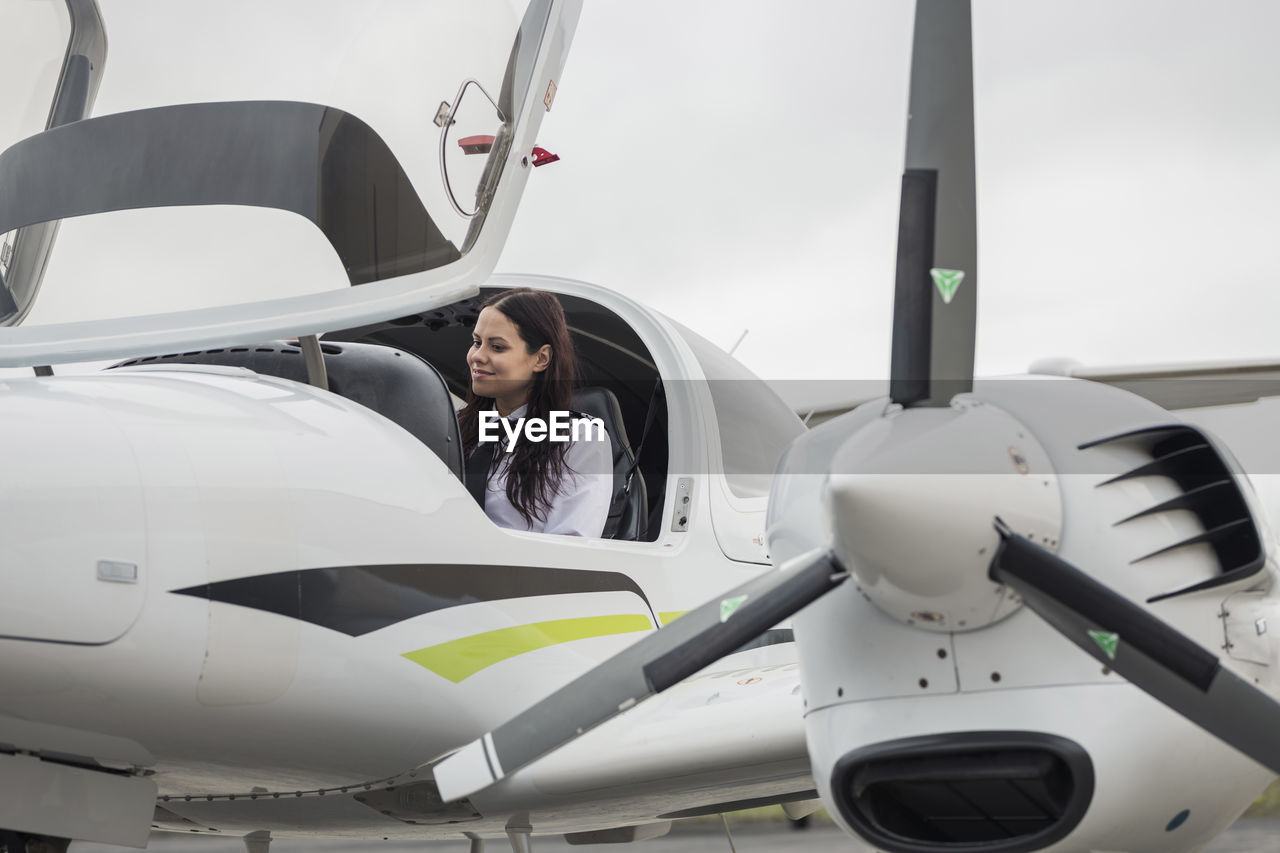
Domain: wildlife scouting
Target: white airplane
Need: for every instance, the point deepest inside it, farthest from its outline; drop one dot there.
(244, 590)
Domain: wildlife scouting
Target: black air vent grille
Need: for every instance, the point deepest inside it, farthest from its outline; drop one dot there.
(955, 800)
(1004, 791)
(1208, 490)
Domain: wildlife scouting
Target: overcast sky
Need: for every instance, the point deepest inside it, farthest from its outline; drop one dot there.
(736, 165)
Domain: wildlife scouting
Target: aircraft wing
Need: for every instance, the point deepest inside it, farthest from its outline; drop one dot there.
(1174, 386)
(1186, 385)
(716, 742)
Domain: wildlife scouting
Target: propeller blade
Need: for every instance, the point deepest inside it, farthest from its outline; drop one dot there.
(935, 297)
(664, 658)
(1139, 646)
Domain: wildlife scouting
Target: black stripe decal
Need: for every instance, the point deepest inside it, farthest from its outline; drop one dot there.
(359, 599)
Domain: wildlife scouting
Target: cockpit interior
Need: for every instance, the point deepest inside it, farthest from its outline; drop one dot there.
(412, 370)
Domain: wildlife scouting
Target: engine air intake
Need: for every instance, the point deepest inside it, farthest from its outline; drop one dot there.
(1008, 792)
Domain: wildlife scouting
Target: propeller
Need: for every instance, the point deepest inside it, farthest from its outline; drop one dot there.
(932, 362)
(933, 343)
(938, 506)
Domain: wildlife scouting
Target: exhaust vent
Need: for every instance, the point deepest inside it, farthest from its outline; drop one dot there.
(1009, 792)
(1207, 488)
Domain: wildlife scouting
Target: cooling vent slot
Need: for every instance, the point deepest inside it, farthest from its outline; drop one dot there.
(1208, 489)
(990, 791)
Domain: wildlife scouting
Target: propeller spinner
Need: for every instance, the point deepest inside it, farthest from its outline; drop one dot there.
(911, 497)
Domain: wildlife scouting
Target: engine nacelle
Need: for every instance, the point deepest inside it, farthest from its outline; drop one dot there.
(896, 716)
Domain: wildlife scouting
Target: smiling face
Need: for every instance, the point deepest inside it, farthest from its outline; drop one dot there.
(501, 365)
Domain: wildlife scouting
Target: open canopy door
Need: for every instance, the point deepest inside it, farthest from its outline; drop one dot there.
(232, 171)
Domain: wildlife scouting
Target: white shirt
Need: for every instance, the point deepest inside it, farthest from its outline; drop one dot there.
(582, 505)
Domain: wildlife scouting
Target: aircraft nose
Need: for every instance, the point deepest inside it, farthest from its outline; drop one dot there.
(912, 503)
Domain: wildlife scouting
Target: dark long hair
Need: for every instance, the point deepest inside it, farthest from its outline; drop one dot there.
(537, 469)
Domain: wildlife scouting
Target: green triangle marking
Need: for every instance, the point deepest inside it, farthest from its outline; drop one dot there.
(729, 605)
(948, 282)
(1106, 641)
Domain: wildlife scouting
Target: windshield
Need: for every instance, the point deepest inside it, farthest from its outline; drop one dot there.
(241, 151)
(754, 424)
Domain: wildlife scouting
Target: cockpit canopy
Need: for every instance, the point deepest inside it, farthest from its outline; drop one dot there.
(289, 164)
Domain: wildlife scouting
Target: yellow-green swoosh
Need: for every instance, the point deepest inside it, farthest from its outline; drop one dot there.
(465, 656)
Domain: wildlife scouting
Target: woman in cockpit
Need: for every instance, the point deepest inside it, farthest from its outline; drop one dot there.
(531, 473)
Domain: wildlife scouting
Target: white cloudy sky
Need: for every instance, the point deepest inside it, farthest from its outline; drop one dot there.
(736, 165)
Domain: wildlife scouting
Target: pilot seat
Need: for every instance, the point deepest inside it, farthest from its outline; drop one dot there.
(629, 509)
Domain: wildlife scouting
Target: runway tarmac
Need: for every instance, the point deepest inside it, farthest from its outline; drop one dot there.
(1255, 835)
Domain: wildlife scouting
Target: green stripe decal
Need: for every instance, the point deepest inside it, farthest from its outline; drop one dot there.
(669, 616)
(461, 658)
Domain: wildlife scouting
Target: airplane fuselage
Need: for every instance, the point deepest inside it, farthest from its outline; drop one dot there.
(248, 588)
